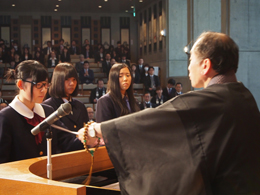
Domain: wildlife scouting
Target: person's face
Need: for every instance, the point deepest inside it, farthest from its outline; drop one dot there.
(49, 44)
(86, 66)
(65, 50)
(147, 97)
(151, 71)
(113, 61)
(16, 57)
(52, 54)
(70, 85)
(12, 63)
(140, 61)
(90, 113)
(38, 94)
(87, 47)
(26, 51)
(195, 71)
(159, 92)
(37, 54)
(108, 57)
(73, 43)
(61, 42)
(12, 50)
(178, 87)
(119, 45)
(170, 85)
(123, 58)
(100, 84)
(133, 68)
(124, 79)
(86, 41)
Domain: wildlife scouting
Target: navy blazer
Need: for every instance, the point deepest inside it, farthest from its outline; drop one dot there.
(106, 109)
(169, 95)
(86, 79)
(65, 59)
(18, 143)
(147, 82)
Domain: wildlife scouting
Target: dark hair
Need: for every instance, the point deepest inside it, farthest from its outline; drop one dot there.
(62, 72)
(151, 67)
(115, 93)
(61, 40)
(100, 80)
(158, 88)
(220, 49)
(147, 92)
(48, 42)
(178, 83)
(26, 70)
(86, 62)
(119, 42)
(171, 81)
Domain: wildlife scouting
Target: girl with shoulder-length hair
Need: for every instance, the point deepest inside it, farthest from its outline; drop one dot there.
(25, 112)
(120, 99)
(64, 87)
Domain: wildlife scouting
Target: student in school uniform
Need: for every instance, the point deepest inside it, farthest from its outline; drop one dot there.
(24, 113)
(64, 87)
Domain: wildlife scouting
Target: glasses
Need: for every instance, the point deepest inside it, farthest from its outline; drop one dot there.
(39, 85)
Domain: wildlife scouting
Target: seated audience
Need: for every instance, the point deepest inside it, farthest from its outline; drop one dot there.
(158, 99)
(16, 47)
(17, 59)
(60, 48)
(97, 92)
(11, 54)
(100, 55)
(112, 61)
(12, 65)
(118, 50)
(178, 88)
(106, 65)
(39, 57)
(124, 60)
(79, 65)
(65, 56)
(26, 54)
(140, 69)
(169, 91)
(73, 50)
(53, 61)
(47, 50)
(87, 52)
(90, 114)
(86, 75)
(146, 101)
(115, 56)
(135, 73)
(151, 81)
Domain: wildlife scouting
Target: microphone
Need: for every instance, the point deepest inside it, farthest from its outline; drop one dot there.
(63, 110)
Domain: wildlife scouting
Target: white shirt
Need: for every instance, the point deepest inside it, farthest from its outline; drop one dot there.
(23, 110)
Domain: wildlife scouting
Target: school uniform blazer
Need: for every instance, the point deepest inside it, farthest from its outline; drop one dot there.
(65, 59)
(106, 109)
(18, 143)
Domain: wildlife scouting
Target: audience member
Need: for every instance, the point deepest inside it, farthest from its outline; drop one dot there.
(3, 104)
(26, 54)
(112, 61)
(11, 54)
(16, 47)
(60, 47)
(97, 92)
(146, 101)
(178, 88)
(79, 65)
(90, 113)
(115, 56)
(38, 57)
(86, 75)
(47, 50)
(12, 65)
(65, 55)
(151, 81)
(100, 56)
(124, 60)
(17, 59)
(135, 73)
(158, 99)
(53, 61)
(118, 50)
(73, 50)
(169, 91)
(88, 53)
(106, 65)
(86, 42)
(140, 69)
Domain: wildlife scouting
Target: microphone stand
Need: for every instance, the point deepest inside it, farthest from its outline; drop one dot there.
(49, 151)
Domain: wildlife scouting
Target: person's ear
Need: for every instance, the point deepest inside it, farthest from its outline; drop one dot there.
(19, 84)
(206, 66)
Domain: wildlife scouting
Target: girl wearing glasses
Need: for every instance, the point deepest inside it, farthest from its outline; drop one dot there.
(64, 87)
(25, 112)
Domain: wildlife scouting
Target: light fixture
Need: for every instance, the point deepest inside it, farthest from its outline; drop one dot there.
(105, 0)
(59, 0)
(132, 6)
(55, 10)
(140, 1)
(99, 6)
(126, 10)
(163, 32)
(57, 6)
(13, 5)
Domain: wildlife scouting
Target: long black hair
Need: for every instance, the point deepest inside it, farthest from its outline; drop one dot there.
(28, 69)
(62, 72)
(115, 93)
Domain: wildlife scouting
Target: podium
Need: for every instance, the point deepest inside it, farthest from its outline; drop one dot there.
(29, 177)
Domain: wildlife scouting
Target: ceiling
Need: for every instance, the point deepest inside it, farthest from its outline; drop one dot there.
(73, 6)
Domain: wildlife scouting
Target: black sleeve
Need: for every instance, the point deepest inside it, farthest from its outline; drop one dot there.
(105, 109)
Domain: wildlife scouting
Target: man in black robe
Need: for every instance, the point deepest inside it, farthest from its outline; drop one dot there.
(202, 142)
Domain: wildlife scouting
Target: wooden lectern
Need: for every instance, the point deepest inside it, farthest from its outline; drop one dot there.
(29, 177)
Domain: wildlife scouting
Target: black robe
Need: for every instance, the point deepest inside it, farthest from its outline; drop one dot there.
(202, 142)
